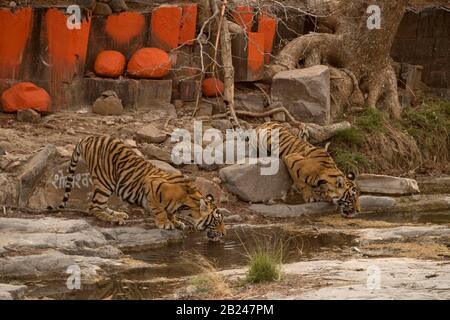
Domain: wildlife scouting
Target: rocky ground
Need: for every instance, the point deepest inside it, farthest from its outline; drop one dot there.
(403, 231)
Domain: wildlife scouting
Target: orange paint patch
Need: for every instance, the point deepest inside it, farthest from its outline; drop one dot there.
(25, 95)
(165, 27)
(243, 16)
(66, 49)
(268, 26)
(255, 52)
(14, 31)
(124, 26)
(188, 24)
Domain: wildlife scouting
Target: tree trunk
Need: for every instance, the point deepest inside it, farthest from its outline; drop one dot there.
(359, 57)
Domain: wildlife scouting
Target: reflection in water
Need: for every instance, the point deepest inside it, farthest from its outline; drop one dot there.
(175, 261)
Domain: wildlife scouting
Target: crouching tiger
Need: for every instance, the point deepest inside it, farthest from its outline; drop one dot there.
(313, 170)
(115, 168)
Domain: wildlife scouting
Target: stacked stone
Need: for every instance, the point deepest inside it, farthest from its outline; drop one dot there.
(103, 7)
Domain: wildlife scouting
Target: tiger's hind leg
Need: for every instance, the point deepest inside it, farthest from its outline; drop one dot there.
(98, 206)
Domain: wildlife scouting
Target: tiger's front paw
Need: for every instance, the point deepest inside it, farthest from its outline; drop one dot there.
(119, 217)
(179, 225)
(167, 225)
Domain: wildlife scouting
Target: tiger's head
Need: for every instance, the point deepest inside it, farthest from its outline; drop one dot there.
(348, 202)
(205, 216)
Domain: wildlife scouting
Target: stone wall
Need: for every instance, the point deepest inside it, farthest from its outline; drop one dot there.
(424, 39)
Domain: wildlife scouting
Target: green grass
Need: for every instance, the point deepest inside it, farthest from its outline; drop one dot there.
(264, 267)
(429, 125)
(265, 260)
(350, 161)
(350, 136)
(371, 120)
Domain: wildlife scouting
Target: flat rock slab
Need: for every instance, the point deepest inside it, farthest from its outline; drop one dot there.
(369, 204)
(150, 134)
(434, 184)
(403, 233)
(136, 238)
(54, 264)
(382, 184)
(399, 278)
(11, 292)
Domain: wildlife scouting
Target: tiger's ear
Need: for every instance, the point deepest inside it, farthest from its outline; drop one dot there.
(351, 176)
(210, 198)
(340, 182)
(203, 206)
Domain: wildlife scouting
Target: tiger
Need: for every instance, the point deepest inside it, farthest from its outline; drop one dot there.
(116, 168)
(312, 169)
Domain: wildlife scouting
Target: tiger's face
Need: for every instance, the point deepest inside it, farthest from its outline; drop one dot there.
(210, 219)
(348, 203)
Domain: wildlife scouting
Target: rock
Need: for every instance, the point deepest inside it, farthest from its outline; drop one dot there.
(28, 115)
(372, 203)
(136, 238)
(434, 185)
(292, 211)
(2, 151)
(248, 182)
(403, 233)
(212, 87)
(164, 166)
(422, 203)
(305, 93)
(150, 134)
(253, 102)
(382, 184)
(102, 9)
(178, 103)
(217, 180)
(151, 151)
(87, 4)
(206, 187)
(118, 5)
(25, 95)
(32, 172)
(204, 110)
(221, 124)
(235, 218)
(52, 264)
(280, 116)
(69, 236)
(149, 63)
(108, 106)
(11, 292)
(109, 63)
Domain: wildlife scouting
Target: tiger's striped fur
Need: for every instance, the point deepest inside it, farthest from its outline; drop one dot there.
(115, 168)
(313, 170)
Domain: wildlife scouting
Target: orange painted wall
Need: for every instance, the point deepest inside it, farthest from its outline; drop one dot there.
(188, 23)
(268, 26)
(66, 49)
(165, 27)
(15, 29)
(255, 52)
(243, 16)
(124, 26)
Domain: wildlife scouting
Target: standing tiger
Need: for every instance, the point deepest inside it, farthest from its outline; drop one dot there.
(115, 168)
(313, 170)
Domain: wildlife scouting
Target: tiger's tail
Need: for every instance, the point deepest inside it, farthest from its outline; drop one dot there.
(70, 178)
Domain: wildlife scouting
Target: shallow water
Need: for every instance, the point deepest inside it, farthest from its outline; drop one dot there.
(182, 259)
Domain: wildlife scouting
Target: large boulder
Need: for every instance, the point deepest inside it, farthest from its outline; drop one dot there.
(109, 63)
(248, 182)
(149, 63)
(150, 134)
(25, 95)
(382, 184)
(108, 104)
(305, 93)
